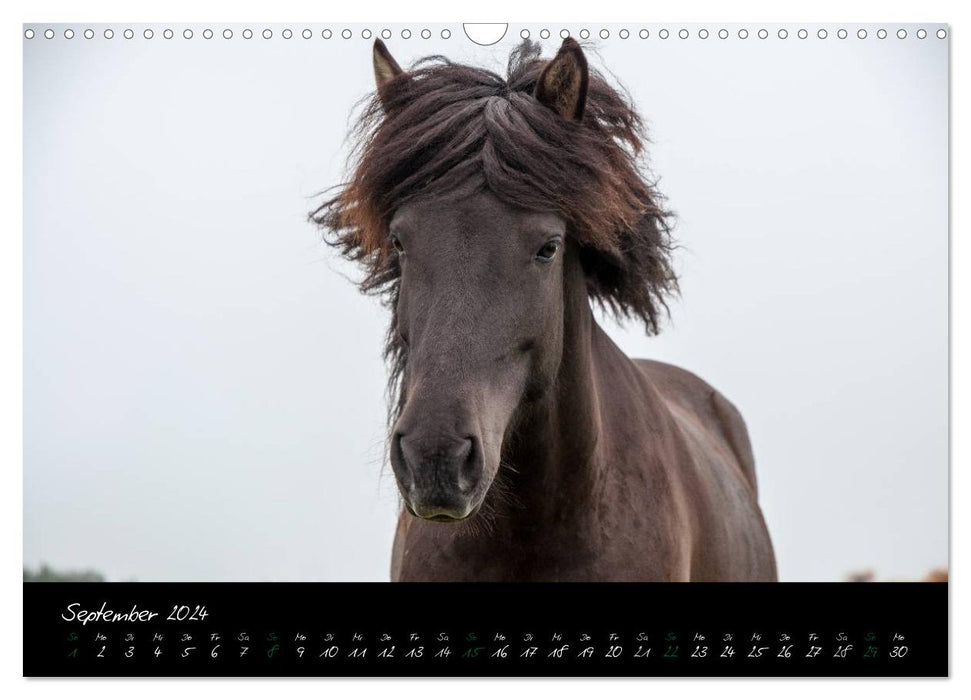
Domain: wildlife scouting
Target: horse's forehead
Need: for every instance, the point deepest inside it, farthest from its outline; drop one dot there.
(474, 212)
(454, 206)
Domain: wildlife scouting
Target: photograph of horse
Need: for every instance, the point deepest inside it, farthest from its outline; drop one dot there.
(491, 215)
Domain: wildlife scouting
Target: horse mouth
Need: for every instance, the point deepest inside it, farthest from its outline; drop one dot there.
(440, 517)
(445, 519)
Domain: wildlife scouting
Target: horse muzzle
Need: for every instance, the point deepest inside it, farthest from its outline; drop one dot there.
(439, 476)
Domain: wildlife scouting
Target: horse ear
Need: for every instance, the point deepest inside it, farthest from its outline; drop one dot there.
(562, 86)
(386, 68)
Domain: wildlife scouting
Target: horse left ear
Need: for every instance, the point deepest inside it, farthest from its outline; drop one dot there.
(562, 86)
(386, 68)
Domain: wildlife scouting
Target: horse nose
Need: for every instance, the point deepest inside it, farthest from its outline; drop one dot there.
(438, 473)
(444, 461)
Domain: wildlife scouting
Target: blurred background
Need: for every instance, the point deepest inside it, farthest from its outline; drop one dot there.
(203, 385)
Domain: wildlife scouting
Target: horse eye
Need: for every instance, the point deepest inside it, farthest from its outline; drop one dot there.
(397, 244)
(548, 251)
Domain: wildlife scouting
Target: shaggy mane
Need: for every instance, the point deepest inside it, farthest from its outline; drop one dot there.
(443, 124)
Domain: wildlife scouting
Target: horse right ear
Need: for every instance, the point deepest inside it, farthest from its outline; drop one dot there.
(562, 86)
(386, 69)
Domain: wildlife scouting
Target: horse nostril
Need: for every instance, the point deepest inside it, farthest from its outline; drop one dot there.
(400, 461)
(464, 451)
(471, 468)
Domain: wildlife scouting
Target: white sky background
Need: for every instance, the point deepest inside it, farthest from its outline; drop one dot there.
(204, 389)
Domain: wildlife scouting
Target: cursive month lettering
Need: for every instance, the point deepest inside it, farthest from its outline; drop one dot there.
(74, 613)
(180, 613)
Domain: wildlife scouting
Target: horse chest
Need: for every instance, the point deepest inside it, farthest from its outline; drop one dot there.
(618, 549)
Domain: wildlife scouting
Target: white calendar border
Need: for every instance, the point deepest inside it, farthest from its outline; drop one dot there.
(11, 346)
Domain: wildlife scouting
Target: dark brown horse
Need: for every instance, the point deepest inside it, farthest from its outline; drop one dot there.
(489, 212)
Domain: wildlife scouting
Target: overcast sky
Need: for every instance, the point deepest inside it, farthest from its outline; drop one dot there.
(204, 388)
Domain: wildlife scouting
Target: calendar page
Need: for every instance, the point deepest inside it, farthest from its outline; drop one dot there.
(561, 349)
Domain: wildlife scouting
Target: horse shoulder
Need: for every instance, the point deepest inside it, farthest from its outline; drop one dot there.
(709, 406)
(734, 543)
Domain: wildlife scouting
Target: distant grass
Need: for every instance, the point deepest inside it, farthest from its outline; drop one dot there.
(47, 574)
